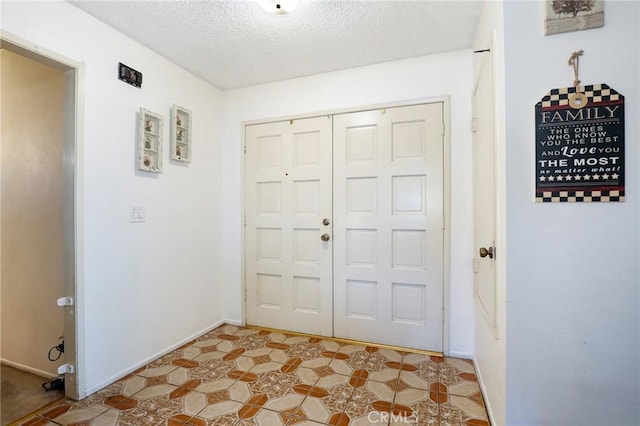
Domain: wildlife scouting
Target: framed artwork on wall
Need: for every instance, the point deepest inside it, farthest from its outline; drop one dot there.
(150, 141)
(573, 15)
(180, 134)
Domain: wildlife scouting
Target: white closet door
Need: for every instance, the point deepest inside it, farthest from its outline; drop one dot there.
(388, 226)
(288, 195)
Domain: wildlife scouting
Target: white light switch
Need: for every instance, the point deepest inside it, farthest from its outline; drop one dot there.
(137, 214)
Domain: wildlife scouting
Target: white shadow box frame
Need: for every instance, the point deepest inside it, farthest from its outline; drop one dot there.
(150, 129)
(181, 143)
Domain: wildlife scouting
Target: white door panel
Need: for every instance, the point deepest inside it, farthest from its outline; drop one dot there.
(388, 226)
(288, 194)
(484, 192)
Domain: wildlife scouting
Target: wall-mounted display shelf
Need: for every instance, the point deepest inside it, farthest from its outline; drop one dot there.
(180, 134)
(150, 141)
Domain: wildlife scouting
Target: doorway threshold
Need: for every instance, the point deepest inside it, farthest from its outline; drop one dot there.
(348, 341)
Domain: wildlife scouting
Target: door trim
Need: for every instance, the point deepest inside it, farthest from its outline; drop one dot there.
(492, 325)
(446, 116)
(73, 173)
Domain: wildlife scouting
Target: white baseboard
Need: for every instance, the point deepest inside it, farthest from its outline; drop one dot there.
(487, 404)
(146, 361)
(37, 372)
(456, 354)
(234, 322)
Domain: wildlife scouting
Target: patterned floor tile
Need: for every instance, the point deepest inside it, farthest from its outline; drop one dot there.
(274, 384)
(214, 401)
(416, 407)
(240, 376)
(236, 413)
(328, 397)
(222, 413)
(369, 362)
(369, 400)
(265, 417)
(206, 345)
(36, 421)
(458, 377)
(304, 348)
(296, 421)
(110, 417)
(204, 372)
(459, 409)
(68, 414)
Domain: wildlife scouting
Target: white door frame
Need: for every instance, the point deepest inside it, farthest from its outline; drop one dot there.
(73, 172)
(447, 179)
(492, 323)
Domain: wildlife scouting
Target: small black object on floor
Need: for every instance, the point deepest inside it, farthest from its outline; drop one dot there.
(54, 384)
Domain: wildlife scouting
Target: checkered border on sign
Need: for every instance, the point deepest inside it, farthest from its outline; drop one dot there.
(579, 196)
(594, 93)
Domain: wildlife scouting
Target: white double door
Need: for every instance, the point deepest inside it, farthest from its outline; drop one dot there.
(344, 226)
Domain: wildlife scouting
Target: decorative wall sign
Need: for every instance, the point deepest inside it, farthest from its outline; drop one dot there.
(180, 134)
(150, 128)
(580, 145)
(129, 75)
(573, 15)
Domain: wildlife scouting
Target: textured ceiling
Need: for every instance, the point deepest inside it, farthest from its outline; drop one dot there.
(234, 43)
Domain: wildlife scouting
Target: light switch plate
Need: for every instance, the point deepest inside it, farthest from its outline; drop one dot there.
(137, 214)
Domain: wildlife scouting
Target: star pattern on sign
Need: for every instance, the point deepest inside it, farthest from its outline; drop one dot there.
(568, 178)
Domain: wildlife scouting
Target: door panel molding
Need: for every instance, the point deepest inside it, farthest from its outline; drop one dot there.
(394, 294)
(444, 102)
(288, 264)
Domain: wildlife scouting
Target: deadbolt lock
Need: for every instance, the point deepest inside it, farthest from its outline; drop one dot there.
(484, 252)
(326, 222)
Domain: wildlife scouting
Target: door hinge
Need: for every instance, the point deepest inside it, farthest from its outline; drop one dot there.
(245, 221)
(475, 265)
(244, 148)
(65, 301)
(444, 223)
(66, 369)
(474, 125)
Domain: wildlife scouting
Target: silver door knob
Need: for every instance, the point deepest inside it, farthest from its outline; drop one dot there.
(326, 222)
(325, 237)
(484, 252)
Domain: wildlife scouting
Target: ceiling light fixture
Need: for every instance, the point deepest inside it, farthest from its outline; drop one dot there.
(279, 7)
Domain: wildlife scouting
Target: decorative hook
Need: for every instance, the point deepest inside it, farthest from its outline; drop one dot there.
(575, 61)
(578, 99)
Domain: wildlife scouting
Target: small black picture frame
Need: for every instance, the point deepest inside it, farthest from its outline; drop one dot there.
(129, 75)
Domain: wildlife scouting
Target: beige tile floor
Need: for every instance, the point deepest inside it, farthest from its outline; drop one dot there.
(238, 376)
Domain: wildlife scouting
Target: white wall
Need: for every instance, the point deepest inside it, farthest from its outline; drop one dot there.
(490, 349)
(32, 212)
(573, 279)
(436, 75)
(146, 286)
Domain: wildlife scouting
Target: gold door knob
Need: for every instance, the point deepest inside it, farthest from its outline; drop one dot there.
(325, 237)
(484, 252)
